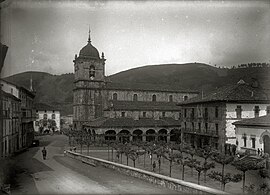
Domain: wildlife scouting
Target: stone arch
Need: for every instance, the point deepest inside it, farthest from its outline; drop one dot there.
(110, 135)
(174, 135)
(266, 132)
(150, 135)
(115, 96)
(137, 135)
(162, 135)
(124, 136)
(265, 140)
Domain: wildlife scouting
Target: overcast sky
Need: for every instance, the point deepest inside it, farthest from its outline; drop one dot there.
(46, 35)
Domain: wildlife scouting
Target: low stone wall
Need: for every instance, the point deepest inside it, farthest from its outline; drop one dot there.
(165, 181)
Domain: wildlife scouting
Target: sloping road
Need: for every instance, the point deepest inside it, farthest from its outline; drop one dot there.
(62, 175)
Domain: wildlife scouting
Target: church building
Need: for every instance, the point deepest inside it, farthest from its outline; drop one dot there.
(123, 111)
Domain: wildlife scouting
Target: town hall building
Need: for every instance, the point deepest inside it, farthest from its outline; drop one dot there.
(123, 111)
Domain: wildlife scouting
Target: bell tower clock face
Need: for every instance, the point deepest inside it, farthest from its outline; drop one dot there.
(91, 78)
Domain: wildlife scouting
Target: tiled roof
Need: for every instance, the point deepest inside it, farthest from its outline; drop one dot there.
(241, 92)
(146, 87)
(143, 105)
(259, 121)
(129, 122)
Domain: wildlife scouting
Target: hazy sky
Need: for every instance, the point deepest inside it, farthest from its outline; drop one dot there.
(46, 35)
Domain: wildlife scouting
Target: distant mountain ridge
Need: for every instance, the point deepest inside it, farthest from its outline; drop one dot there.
(56, 90)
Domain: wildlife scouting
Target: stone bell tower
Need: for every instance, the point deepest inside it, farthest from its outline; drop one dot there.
(89, 83)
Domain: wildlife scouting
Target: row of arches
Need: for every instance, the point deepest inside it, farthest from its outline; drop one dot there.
(138, 135)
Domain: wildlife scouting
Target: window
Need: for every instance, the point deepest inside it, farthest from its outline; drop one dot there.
(192, 113)
(206, 112)
(216, 129)
(163, 114)
(123, 114)
(144, 114)
(11, 90)
(185, 97)
(253, 142)
(135, 97)
(185, 125)
(170, 98)
(154, 98)
(199, 127)
(53, 116)
(193, 126)
(256, 111)
(245, 140)
(44, 116)
(115, 96)
(268, 110)
(216, 112)
(206, 127)
(92, 72)
(180, 115)
(185, 113)
(238, 112)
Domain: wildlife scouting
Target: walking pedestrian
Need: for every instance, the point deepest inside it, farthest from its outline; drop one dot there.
(258, 151)
(261, 152)
(154, 166)
(44, 153)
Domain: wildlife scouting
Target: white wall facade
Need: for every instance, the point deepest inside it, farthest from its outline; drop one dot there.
(247, 112)
(250, 132)
(9, 88)
(40, 116)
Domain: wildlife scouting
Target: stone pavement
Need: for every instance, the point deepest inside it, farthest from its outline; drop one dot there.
(62, 175)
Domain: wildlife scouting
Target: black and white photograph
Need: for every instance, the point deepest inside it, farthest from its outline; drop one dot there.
(134, 97)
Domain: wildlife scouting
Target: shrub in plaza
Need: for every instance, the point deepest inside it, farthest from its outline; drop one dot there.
(182, 162)
(246, 165)
(206, 152)
(171, 157)
(199, 168)
(160, 152)
(222, 159)
(191, 151)
(127, 150)
(224, 179)
(133, 155)
(263, 188)
(206, 167)
(192, 163)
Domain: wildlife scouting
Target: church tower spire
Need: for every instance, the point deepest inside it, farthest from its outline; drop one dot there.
(89, 38)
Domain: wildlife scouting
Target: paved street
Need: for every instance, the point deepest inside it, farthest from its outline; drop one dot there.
(61, 175)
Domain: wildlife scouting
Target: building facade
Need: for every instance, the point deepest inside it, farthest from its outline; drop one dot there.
(253, 134)
(19, 126)
(47, 119)
(11, 124)
(140, 110)
(209, 120)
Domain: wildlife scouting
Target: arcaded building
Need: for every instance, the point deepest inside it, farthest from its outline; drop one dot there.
(124, 111)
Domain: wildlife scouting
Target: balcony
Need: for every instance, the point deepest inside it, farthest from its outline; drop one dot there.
(198, 132)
